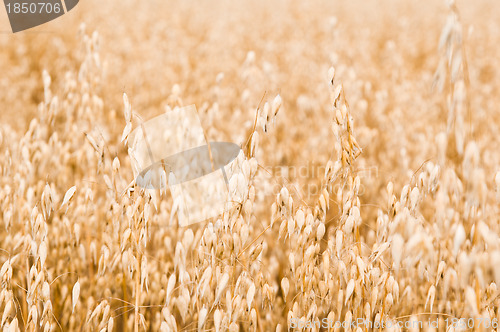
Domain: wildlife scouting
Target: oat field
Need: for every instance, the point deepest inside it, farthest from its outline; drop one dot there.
(369, 171)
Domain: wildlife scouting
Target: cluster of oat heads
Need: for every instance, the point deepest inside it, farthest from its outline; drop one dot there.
(83, 248)
(452, 73)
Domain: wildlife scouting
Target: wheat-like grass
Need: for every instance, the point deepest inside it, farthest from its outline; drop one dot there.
(402, 226)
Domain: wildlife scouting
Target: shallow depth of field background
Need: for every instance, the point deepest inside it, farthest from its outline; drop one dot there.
(225, 57)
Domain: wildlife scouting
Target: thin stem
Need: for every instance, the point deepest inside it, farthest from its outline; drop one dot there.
(137, 293)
